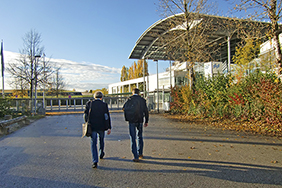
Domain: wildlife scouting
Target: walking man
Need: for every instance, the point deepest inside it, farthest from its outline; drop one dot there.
(135, 109)
(99, 119)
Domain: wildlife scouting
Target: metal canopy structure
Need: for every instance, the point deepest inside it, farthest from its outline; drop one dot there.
(149, 46)
(222, 33)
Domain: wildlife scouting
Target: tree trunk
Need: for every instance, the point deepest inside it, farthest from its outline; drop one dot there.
(274, 21)
(278, 54)
(31, 81)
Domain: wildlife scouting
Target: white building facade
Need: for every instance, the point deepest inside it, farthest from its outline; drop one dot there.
(157, 86)
(164, 80)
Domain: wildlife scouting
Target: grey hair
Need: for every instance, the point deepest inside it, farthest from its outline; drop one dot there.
(98, 94)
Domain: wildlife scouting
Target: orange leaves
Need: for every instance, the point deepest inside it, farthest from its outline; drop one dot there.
(238, 99)
(134, 71)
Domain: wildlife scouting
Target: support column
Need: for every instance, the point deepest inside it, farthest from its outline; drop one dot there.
(229, 55)
(169, 73)
(170, 86)
(158, 105)
(163, 96)
(144, 83)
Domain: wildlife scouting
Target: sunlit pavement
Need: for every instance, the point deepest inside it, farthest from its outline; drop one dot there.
(51, 153)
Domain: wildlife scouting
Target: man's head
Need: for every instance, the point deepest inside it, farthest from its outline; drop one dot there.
(135, 91)
(98, 95)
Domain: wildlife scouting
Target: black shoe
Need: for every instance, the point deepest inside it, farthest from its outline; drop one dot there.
(102, 155)
(136, 160)
(141, 156)
(95, 165)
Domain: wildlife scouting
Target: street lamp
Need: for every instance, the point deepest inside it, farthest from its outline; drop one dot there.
(35, 75)
(43, 102)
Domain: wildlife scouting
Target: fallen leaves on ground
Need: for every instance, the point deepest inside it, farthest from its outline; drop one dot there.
(228, 124)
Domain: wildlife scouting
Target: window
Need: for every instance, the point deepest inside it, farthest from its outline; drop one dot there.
(180, 81)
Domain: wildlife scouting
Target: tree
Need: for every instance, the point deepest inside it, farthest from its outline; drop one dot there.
(140, 67)
(248, 51)
(103, 90)
(135, 71)
(20, 86)
(130, 73)
(29, 70)
(58, 83)
(124, 74)
(187, 39)
(266, 10)
(244, 57)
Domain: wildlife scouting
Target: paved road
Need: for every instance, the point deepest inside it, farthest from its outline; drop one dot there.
(51, 153)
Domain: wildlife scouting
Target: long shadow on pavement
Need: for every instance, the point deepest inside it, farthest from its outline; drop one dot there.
(237, 172)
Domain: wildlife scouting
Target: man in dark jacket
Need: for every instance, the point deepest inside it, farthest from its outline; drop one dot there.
(136, 123)
(99, 119)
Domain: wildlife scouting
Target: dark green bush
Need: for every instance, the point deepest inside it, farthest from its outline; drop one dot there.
(5, 107)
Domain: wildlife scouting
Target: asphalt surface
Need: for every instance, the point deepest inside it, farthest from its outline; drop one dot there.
(51, 153)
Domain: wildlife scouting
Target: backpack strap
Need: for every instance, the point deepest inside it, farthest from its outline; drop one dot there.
(89, 111)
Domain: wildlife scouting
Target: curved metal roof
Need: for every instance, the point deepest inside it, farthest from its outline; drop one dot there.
(145, 45)
(149, 45)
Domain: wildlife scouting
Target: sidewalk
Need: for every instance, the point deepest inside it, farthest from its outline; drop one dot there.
(51, 153)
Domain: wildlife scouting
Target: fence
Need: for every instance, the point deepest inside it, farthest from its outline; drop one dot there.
(64, 104)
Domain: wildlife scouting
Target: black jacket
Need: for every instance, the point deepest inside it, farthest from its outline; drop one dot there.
(143, 108)
(97, 115)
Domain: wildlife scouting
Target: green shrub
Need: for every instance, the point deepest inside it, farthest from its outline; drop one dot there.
(257, 98)
(5, 107)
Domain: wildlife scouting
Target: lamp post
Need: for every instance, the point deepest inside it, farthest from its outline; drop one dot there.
(35, 84)
(43, 102)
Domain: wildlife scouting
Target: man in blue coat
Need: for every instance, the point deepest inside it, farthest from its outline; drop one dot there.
(135, 111)
(99, 119)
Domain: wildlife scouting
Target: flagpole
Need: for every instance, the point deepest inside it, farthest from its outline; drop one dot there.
(3, 94)
(2, 68)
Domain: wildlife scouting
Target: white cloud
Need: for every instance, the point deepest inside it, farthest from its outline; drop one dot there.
(80, 76)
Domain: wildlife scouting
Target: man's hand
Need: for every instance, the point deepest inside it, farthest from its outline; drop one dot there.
(145, 124)
(109, 131)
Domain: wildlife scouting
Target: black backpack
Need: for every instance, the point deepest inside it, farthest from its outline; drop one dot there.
(132, 110)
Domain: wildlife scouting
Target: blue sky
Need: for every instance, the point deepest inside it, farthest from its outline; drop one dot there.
(87, 32)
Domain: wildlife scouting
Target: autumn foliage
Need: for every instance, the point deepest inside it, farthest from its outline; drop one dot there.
(254, 104)
(134, 71)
